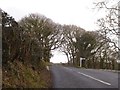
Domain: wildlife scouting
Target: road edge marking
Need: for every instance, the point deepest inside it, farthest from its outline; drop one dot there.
(95, 79)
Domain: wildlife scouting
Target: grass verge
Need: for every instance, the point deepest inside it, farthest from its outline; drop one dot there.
(20, 75)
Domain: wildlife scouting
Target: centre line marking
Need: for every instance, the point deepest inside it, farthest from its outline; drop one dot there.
(95, 79)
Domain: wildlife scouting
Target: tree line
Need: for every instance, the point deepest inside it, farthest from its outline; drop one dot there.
(92, 47)
(31, 40)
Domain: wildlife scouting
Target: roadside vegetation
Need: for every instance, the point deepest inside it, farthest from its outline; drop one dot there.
(20, 75)
(98, 49)
(25, 55)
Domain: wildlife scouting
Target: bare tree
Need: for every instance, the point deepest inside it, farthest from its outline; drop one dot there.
(109, 25)
(44, 31)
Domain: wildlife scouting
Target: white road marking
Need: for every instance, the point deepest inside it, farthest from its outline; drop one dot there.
(91, 77)
(95, 79)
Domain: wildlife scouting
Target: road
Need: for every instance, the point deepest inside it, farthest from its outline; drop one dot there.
(70, 77)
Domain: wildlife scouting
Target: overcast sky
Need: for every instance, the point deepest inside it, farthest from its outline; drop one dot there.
(77, 12)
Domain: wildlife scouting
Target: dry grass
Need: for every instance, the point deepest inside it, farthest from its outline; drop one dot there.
(19, 75)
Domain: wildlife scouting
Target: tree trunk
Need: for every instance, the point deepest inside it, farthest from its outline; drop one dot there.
(78, 59)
